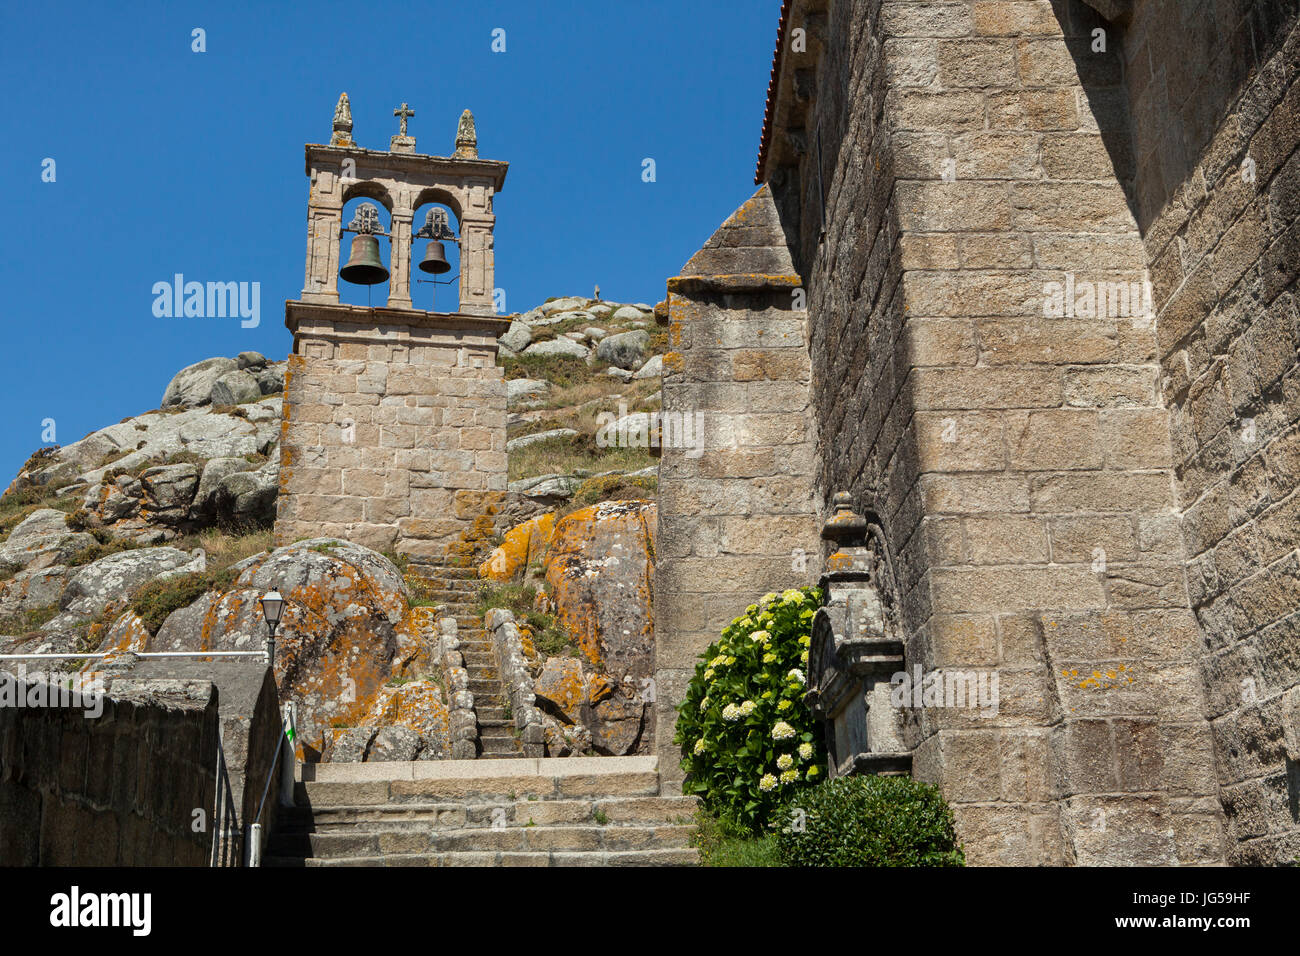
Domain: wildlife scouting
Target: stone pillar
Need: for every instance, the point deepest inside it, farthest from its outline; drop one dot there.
(324, 219)
(476, 266)
(737, 513)
(399, 282)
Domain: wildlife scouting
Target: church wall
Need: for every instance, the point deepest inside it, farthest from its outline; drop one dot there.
(1215, 110)
(1021, 462)
(737, 517)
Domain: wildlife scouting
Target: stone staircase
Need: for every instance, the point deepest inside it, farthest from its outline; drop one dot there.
(556, 811)
(457, 590)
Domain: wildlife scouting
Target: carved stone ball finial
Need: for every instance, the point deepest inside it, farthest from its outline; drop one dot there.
(466, 137)
(342, 123)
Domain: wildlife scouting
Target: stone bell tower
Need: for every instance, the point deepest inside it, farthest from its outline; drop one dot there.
(394, 423)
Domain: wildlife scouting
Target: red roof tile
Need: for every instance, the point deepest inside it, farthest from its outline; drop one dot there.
(769, 114)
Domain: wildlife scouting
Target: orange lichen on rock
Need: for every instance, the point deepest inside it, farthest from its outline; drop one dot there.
(600, 572)
(523, 544)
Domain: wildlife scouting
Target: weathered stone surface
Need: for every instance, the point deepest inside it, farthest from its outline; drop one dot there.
(523, 544)
(41, 540)
(250, 360)
(546, 486)
(653, 368)
(626, 350)
(561, 688)
(346, 633)
(29, 590)
(518, 337)
(234, 388)
(117, 576)
(522, 390)
(561, 346)
(523, 441)
(600, 568)
(193, 384)
(562, 304)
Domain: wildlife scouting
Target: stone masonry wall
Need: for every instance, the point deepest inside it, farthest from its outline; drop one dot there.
(119, 789)
(737, 516)
(1215, 107)
(393, 434)
(1021, 463)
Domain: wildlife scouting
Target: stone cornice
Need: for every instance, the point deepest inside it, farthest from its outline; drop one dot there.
(295, 312)
(745, 282)
(418, 164)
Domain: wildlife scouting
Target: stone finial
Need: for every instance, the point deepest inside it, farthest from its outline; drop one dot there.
(847, 530)
(342, 123)
(845, 526)
(466, 137)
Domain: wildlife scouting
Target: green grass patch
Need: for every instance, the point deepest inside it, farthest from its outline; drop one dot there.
(158, 599)
(573, 455)
(548, 636)
(100, 549)
(723, 845)
(559, 370)
(24, 622)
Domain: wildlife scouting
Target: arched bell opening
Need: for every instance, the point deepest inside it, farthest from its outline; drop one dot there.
(435, 258)
(365, 251)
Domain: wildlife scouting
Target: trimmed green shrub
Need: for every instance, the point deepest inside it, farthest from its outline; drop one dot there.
(748, 740)
(869, 821)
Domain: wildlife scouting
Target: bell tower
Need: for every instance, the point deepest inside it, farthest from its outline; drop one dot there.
(394, 417)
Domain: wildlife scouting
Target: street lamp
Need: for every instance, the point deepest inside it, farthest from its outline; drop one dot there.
(272, 609)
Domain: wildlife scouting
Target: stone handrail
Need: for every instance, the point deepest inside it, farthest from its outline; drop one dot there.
(464, 722)
(516, 679)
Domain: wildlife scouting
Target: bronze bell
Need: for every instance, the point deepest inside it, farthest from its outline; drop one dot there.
(435, 258)
(364, 267)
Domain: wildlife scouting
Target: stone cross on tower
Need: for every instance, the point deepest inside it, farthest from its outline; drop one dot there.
(394, 418)
(404, 111)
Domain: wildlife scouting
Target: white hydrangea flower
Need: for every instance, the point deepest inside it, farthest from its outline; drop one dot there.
(767, 783)
(782, 731)
(783, 762)
(731, 713)
(747, 708)
(805, 751)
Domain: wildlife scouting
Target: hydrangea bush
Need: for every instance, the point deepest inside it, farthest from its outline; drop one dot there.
(748, 740)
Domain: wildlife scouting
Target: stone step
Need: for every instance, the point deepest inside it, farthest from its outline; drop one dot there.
(352, 784)
(492, 720)
(477, 687)
(523, 837)
(498, 742)
(482, 671)
(443, 570)
(683, 856)
(446, 596)
(616, 811)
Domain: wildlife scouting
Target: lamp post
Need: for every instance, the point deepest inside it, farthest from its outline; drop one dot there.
(272, 609)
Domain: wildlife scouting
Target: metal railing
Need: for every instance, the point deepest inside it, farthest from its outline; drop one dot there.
(253, 831)
(225, 818)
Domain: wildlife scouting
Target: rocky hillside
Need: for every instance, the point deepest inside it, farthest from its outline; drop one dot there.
(154, 534)
(574, 562)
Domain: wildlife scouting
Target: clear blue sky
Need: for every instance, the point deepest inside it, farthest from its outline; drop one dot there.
(173, 161)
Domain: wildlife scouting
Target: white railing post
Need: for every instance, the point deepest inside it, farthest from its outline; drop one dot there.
(253, 845)
(289, 764)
